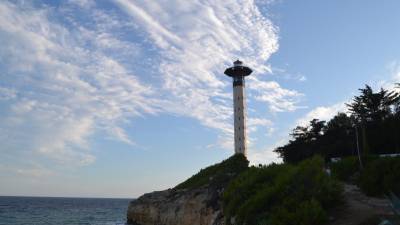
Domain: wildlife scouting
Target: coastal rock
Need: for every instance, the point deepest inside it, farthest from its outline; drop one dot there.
(201, 206)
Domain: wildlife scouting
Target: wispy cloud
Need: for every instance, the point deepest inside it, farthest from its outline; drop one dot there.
(7, 93)
(393, 69)
(71, 71)
(279, 99)
(322, 113)
(66, 91)
(254, 123)
(197, 41)
(28, 170)
(83, 3)
(266, 155)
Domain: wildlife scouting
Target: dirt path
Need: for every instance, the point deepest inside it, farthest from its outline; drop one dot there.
(359, 208)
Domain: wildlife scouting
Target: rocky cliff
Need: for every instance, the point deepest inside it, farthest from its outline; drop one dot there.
(197, 201)
(200, 206)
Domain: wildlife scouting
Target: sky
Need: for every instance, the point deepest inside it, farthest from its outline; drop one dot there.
(118, 98)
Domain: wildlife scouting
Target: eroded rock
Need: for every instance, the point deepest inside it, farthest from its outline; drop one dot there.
(201, 206)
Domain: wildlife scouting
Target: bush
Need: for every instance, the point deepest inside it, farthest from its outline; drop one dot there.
(282, 194)
(381, 176)
(218, 175)
(345, 168)
(305, 213)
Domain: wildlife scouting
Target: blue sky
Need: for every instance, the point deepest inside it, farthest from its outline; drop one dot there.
(117, 98)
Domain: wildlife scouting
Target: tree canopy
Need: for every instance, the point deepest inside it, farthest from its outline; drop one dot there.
(373, 118)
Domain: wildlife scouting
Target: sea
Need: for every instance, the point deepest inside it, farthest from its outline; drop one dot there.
(62, 211)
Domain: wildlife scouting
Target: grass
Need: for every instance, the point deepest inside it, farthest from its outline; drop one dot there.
(218, 175)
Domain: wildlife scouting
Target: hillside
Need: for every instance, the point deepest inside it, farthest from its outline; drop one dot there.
(230, 192)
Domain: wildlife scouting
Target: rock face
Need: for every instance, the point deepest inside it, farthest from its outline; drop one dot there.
(201, 206)
(196, 201)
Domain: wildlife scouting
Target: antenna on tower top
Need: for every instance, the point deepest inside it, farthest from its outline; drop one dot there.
(237, 63)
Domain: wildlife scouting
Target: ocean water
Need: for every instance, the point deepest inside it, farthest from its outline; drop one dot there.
(62, 211)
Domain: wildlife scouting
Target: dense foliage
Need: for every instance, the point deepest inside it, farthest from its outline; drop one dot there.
(379, 176)
(349, 168)
(217, 175)
(282, 195)
(374, 120)
(346, 168)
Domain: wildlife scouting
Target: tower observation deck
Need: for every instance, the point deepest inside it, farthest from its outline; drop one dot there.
(238, 73)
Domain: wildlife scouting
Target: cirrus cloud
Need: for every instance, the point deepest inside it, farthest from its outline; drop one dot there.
(77, 69)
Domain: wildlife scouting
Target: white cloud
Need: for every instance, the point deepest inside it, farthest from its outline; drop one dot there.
(35, 172)
(394, 70)
(196, 42)
(322, 113)
(28, 170)
(254, 123)
(66, 90)
(83, 3)
(7, 93)
(65, 80)
(328, 112)
(283, 73)
(279, 99)
(302, 78)
(267, 155)
(264, 157)
(158, 32)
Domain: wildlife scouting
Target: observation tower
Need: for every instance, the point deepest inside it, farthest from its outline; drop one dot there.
(238, 72)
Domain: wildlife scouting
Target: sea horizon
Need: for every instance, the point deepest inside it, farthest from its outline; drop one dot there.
(20, 210)
(39, 196)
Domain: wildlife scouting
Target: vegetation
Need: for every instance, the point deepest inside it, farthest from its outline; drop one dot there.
(378, 177)
(381, 176)
(299, 192)
(218, 175)
(282, 194)
(374, 120)
(275, 194)
(346, 168)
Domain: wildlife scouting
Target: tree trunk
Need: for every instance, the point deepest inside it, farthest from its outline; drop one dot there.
(365, 150)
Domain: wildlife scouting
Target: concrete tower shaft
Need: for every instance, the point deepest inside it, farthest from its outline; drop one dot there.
(238, 72)
(239, 114)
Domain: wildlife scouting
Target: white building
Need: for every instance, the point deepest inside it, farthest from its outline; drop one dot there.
(238, 72)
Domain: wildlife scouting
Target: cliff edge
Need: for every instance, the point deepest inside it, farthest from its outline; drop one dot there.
(200, 206)
(197, 201)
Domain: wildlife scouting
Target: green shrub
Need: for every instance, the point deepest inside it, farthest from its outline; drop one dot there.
(218, 175)
(345, 168)
(308, 212)
(381, 176)
(282, 194)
